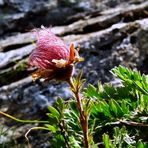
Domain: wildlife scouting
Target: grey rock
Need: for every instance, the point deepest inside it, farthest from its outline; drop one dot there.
(1, 2)
(29, 100)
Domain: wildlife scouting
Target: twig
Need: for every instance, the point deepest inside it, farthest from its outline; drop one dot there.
(33, 128)
(133, 123)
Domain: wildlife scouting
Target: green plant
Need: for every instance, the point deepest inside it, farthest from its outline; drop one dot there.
(107, 109)
(99, 116)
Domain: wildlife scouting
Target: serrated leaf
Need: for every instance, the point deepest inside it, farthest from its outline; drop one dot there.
(109, 90)
(115, 107)
(91, 91)
(102, 107)
(124, 107)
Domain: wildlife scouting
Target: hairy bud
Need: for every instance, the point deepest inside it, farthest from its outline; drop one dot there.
(53, 58)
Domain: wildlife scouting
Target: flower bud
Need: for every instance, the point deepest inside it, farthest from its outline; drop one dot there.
(53, 58)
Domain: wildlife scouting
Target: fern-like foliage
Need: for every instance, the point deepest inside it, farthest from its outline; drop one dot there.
(126, 105)
(118, 116)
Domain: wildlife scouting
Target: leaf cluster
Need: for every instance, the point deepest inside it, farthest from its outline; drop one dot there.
(118, 116)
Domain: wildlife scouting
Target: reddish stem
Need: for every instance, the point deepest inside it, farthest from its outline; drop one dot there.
(83, 117)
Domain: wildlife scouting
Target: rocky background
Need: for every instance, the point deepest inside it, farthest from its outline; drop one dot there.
(110, 33)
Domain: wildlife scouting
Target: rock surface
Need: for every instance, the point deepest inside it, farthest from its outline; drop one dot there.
(109, 35)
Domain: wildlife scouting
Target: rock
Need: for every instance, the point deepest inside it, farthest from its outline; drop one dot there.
(108, 38)
(142, 43)
(19, 14)
(1, 3)
(142, 37)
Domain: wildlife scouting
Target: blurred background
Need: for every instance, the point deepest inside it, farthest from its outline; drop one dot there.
(109, 32)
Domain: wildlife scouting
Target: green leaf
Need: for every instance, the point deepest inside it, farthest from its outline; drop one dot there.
(105, 108)
(91, 91)
(109, 90)
(52, 119)
(139, 87)
(60, 103)
(140, 145)
(51, 128)
(79, 76)
(102, 107)
(125, 107)
(100, 87)
(106, 141)
(115, 107)
(54, 111)
(74, 142)
(145, 80)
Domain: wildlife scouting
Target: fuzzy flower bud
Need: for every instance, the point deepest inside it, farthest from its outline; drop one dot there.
(53, 58)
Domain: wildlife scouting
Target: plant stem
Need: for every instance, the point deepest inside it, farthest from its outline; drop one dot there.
(133, 123)
(22, 121)
(83, 117)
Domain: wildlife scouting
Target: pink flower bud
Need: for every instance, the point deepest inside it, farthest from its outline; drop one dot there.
(52, 57)
(49, 47)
